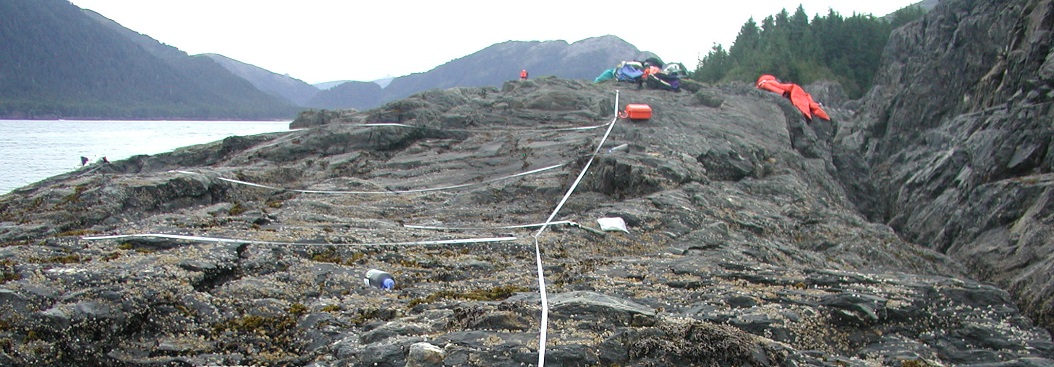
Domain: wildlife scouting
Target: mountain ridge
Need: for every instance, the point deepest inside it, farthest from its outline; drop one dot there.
(493, 65)
(282, 86)
(105, 70)
(61, 61)
(911, 229)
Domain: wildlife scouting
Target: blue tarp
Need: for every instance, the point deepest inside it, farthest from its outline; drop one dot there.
(628, 73)
(606, 75)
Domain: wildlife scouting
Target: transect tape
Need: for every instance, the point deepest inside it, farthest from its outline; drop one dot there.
(278, 243)
(338, 192)
(382, 124)
(344, 192)
(440, 228)
(567, 222)
(537, 247)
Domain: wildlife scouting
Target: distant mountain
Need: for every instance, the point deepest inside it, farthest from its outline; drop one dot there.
(494, 65)
(348, 95)
(928, 4)
(283, 86)
(925, 5)
(383, 82)
(60, 61)
(328, 85)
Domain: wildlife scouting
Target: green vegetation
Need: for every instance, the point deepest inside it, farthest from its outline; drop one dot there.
(61, 259)
(237, 209)
(331, 255)
(913, 363)
(274, 326)
(297, 309)
(75, 197)
(76, 233)
(364, 315)
(130, 246)
(8, 271)
(494, 294)
(790, 47)
(265, 340)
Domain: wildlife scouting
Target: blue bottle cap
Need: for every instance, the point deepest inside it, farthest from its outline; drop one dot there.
(389, 284)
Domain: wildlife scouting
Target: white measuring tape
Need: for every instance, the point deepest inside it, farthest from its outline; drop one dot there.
(279, 243)
(382, 124)
(537, 247)
(341, 192)
(439, 228)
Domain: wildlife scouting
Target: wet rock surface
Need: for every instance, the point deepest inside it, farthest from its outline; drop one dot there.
(956, 134)
(743, 247)
(908, 232)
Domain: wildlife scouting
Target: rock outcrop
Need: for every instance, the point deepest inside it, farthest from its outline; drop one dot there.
(911, 231)
(743, 248)
(957, 136)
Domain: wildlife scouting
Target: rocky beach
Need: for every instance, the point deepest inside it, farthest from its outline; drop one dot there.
(911, 230)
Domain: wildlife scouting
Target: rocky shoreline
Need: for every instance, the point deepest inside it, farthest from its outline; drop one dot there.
(742, 248)
(911, 231)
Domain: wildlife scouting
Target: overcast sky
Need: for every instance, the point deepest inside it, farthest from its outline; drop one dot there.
(326, 40)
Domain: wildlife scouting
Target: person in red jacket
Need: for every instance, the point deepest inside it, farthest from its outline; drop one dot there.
(523, 74)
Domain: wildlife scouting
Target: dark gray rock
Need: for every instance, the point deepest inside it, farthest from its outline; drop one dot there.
(425, 355)
(13, 302)
(956, 134)
(743, 247)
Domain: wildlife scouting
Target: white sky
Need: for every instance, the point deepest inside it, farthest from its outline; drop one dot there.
(325, 40)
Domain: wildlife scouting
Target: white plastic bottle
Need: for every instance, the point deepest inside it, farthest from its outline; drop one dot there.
(379, 279)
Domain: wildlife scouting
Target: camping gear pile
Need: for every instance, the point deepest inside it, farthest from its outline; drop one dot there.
(651, 72)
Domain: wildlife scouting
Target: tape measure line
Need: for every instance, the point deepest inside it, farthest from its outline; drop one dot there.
(542, 332)
(279, 243)
(441, 228)
(537, 247)
(386, 192)
(392, 124)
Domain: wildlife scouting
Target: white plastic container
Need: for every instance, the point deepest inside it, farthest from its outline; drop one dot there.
(379, 279)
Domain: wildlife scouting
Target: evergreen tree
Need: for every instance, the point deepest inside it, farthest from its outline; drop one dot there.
(718, 62)
(798, 35)
(906, 15)
(748, 40)
(831, 47)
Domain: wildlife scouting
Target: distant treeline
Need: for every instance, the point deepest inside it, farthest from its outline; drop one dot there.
(792, 48)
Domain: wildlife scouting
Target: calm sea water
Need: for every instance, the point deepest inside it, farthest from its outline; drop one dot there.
(31, 151)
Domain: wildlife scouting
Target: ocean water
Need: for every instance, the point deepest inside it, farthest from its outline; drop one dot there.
(31, 151)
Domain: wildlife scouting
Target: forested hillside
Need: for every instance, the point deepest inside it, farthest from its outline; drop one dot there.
(282, 86)
(57, 61)
(60, 61)
(793, 48)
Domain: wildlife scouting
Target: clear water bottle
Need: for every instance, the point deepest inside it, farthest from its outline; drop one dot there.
(379, 279)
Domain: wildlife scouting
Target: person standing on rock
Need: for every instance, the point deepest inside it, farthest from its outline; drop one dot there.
(523, 74)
